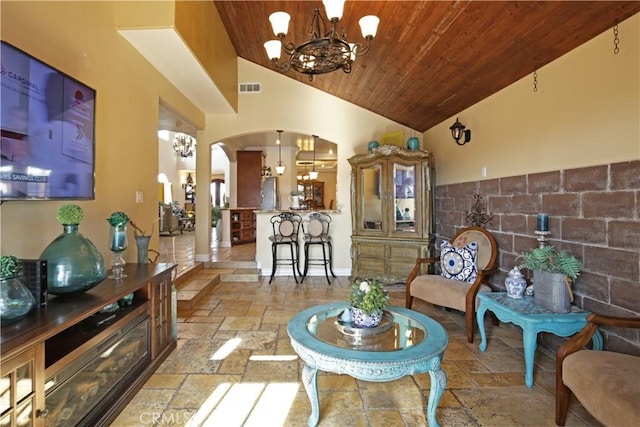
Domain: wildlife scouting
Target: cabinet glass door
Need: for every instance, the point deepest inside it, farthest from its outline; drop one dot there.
(406, 216)
(17, 391)
(371, 199)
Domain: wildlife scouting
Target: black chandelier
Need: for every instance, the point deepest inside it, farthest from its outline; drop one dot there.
(326, 50)
(183, 145)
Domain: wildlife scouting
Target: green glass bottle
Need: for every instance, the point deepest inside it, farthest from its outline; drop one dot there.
(74, 263)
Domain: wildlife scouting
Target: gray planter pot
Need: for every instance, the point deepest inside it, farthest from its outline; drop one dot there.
(219, 230)
(552, 291)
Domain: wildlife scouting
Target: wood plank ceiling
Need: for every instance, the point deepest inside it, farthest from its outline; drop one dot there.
(432, 59)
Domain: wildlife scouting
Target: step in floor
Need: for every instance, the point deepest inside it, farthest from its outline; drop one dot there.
(200, 281)
(241, 275)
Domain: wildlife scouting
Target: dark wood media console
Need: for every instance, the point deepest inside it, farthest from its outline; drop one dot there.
(70, 364)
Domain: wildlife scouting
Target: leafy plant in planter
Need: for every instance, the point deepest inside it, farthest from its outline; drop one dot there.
(368, 299)
(549, 259)
(553, 272)
(216, 214)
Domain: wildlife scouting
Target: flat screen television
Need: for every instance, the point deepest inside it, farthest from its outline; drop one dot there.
(47, 125)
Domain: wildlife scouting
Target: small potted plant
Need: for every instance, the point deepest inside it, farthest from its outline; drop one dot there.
(368, 299)
(216, 214)
(553, 273)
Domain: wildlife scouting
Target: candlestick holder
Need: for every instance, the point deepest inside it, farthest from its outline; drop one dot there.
(542, 238)
(117, 244)
(117, 266)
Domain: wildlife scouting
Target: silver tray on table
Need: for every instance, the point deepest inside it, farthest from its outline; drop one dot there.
(348, 328)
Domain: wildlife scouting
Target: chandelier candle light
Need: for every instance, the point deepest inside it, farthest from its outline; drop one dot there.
(326, 50)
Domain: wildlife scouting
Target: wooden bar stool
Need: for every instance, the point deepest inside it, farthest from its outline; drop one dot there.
(286, 227)
(316, 232)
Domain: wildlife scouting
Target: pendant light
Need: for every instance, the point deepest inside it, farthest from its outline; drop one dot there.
(280, 168)
(313, 174)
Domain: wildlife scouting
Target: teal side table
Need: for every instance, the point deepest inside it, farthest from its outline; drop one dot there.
(415, 343)
(532, 318)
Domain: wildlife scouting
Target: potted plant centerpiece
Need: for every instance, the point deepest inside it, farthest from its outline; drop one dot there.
(553, 273)
(368, 299)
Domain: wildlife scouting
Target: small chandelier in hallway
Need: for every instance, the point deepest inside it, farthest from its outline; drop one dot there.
(184, 145)
(280, 168)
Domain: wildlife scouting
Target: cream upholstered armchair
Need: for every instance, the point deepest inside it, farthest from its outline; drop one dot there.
(466, 262)
(605, 382)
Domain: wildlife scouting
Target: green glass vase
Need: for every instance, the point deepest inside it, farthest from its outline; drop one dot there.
(16, 301)
(74, 263)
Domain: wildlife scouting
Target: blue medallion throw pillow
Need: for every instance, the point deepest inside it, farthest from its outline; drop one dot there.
(459, 263)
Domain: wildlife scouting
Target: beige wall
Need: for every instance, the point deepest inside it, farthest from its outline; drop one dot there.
(199, 24)
(584, 98)
(294, 107)
(128, 94)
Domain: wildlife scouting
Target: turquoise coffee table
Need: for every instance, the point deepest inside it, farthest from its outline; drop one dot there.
(532, 318)
(414, 343)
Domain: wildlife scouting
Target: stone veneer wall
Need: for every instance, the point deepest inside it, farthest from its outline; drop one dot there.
(594, 213)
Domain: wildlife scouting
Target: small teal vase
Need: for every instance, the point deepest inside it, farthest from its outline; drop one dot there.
(118, 241)
(413, 143)
(372, 145)
(142, 244)
(74, 263)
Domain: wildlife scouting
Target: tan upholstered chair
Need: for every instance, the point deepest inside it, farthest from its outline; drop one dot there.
(606, 383)
(452, 293)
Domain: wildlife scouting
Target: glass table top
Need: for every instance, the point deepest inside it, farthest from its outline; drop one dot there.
(397, 331)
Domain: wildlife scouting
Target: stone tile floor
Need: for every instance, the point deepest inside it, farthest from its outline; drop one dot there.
(234, 366)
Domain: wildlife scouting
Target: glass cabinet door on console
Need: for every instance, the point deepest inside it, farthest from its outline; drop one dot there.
(391, 207)
(21, 389)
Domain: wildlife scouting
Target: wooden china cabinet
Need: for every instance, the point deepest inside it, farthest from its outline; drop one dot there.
(392, 212)
(313, 193)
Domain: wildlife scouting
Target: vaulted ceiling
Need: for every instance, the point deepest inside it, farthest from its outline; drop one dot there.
(432, 59)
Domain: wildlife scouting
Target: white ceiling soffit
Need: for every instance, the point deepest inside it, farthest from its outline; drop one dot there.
(166, 51)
